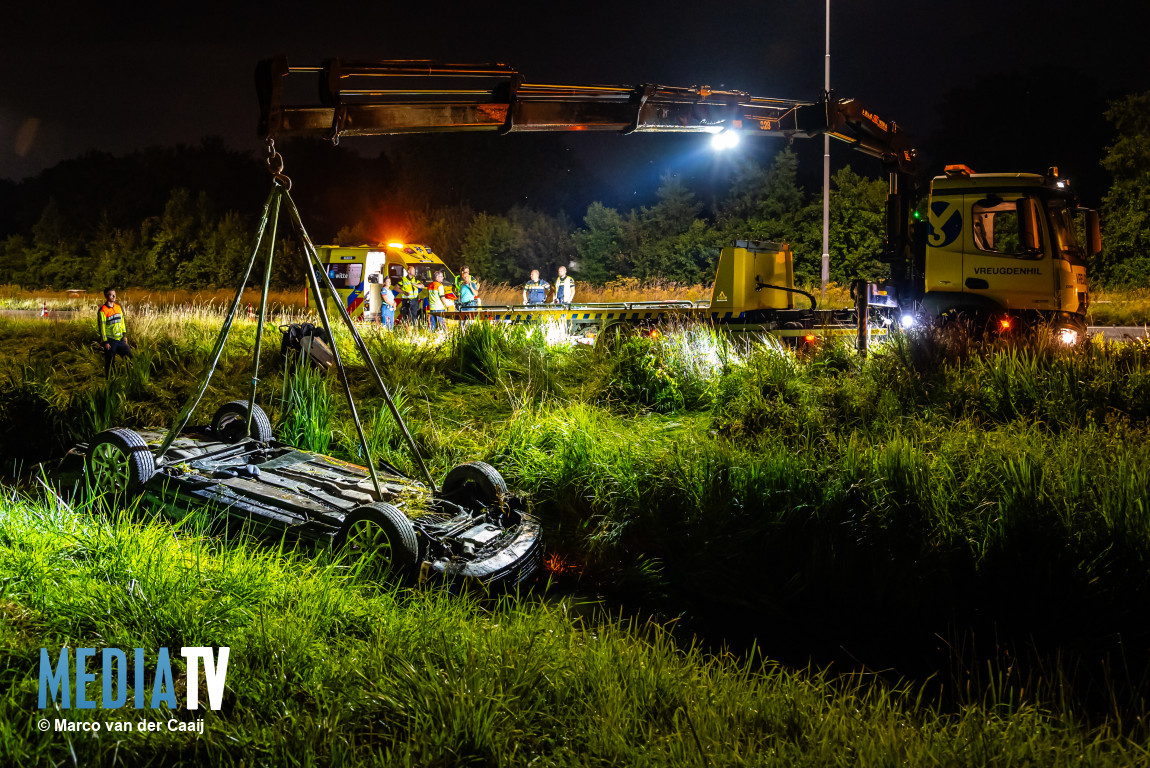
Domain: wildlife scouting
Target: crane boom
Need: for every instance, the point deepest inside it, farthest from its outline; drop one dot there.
(390, 97)
(421, 96)
(417, 96)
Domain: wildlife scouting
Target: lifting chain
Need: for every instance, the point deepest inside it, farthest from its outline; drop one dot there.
(275, 163)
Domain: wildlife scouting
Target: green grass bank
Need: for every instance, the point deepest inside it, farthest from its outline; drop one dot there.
(971, 516)
(328, 670)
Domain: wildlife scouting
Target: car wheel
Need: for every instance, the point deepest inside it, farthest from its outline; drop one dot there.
(474, 484)
(229, 421)
(379, 540)
(118, 462)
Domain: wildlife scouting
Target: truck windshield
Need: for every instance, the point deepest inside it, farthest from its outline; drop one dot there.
(1063, 233)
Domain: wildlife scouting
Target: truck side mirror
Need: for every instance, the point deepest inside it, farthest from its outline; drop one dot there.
(1028, 226)
(1093, 233)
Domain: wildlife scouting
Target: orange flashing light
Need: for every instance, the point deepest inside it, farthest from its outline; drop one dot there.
(556, 564)
(810, 338)
(395, 245)
(958, 169)
(1005, 323)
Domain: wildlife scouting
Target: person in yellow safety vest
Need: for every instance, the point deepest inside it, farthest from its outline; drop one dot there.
(535, 290)
(564, 287)
(409, 289)
(433, 294)
(113, 331)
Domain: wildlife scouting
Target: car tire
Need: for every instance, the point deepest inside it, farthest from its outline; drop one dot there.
(229, 420)
(474, 484)
(382, 532)
(118, 462)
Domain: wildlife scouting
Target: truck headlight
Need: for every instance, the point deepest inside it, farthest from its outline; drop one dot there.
(907, 321)
(1068, 336)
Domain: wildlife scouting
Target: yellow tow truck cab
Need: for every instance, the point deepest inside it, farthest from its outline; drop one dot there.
(357, 273)
(1005, 243)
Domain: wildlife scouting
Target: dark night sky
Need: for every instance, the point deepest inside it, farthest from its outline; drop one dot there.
(86, 77)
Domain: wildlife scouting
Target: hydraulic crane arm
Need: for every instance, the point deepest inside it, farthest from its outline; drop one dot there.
(391, 97)
(849, 121)
(410, 96)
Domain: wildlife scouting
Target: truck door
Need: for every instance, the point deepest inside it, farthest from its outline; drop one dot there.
(944, 245)
(1005, 253)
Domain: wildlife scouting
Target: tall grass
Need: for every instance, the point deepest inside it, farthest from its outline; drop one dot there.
(326, 669)
(136, 299)
(305, 414)
(847, 509)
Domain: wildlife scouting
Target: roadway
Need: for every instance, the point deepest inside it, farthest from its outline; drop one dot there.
(1119, 332)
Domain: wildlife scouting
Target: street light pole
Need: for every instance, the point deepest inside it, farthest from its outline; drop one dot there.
(826, 271)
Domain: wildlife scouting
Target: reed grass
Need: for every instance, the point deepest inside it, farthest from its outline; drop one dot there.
(137, 299)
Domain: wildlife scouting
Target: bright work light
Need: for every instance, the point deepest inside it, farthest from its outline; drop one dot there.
(725, 139)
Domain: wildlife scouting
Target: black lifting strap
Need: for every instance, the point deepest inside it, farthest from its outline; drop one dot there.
(277, 198)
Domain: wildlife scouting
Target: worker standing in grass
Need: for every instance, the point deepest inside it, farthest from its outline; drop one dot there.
(387, 311)
(113, 331)
(409, 289)
(564, 287)
(535, 290)
(433, 294)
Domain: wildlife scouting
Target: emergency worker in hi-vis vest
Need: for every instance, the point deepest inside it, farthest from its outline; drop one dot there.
(113, 331)
(564, 287)
(409, 289)
(535, 290)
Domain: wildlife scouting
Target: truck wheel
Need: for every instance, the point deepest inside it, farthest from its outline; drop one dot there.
(474, 484)
(379, 540)
(1068, 332)
(118, 462)
(229, 420)
(611, 338)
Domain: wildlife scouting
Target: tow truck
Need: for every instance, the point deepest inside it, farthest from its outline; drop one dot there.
(998, 248)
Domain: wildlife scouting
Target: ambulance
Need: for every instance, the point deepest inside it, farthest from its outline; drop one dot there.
(357, 273)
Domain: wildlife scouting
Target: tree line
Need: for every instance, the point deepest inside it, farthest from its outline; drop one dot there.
(107, 234)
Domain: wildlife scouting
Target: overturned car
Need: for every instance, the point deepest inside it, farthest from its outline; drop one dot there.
(470, 529)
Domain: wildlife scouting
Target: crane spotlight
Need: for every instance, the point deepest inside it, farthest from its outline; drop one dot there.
(725, 139)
